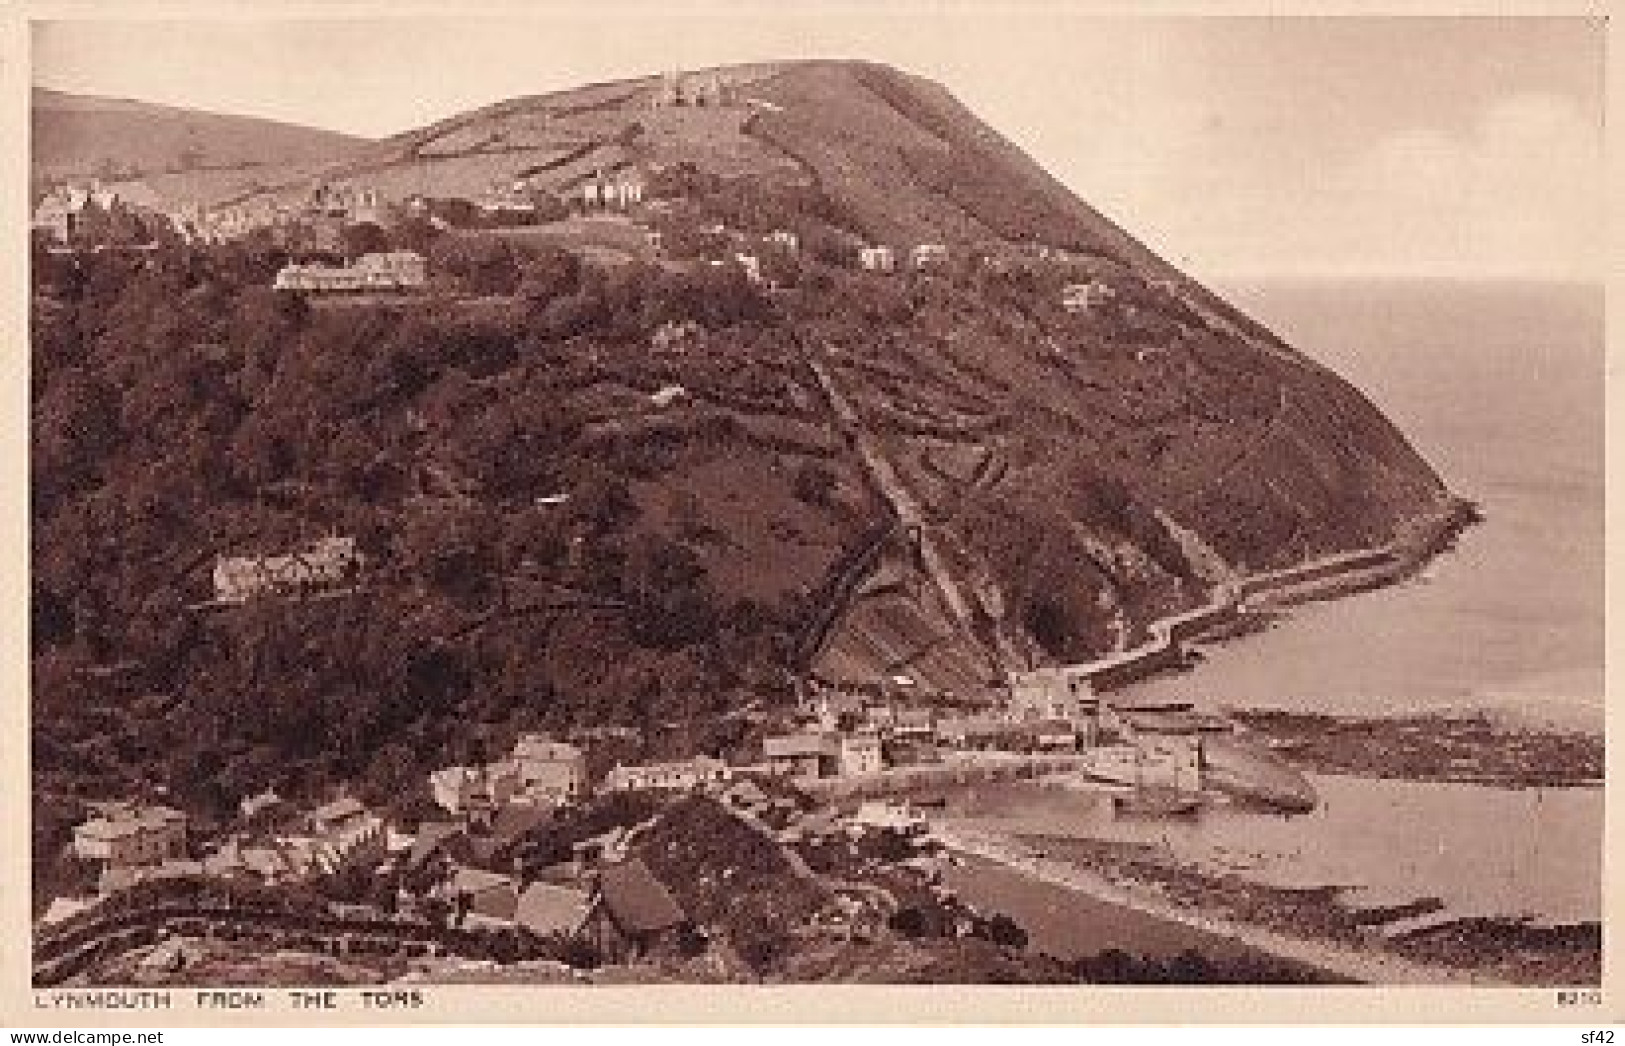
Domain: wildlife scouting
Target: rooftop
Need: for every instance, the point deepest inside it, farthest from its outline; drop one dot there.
(338, 810)
(477, 880)
(791, 745)
(636, 900)
(545, 908)
(120, 822)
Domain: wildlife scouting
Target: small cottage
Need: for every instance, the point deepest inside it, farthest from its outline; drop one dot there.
(547, 910)
(861, 754)
(801, 755)
(928, 255)
(633, 914)
(877, 259)
(131, 836)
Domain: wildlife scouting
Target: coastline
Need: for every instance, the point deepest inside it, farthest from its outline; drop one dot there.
(1418, 541)
(1337, 960)
(1239, 604)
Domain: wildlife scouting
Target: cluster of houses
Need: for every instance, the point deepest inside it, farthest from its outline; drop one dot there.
(471, 869)
(325, 209)
(617, 189)
(353, 203)
(336, 836)
(131, 842)
(316, 222)
(383, 271)
(67, 211)
(1142, 743)
(541, 772)
(321, 213)
(468, 871)
(127, 835)
(884, 258)
(1077, 297)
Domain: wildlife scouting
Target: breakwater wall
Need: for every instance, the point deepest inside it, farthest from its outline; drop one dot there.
(1320, 578)
(1262, 586)
(937, 775)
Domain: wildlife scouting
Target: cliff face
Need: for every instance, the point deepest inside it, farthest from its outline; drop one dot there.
(1084, 474)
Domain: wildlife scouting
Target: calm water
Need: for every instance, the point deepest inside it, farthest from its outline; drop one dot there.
(1482, 851)
(1500, 387)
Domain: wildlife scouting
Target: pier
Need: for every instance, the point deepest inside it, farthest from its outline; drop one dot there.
(966, 770)
(1319, 578)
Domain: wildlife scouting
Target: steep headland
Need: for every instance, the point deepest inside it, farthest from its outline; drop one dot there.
(940, 472)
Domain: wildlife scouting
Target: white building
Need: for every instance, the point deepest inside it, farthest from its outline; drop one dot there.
(877, 259)
(328, 563)
(890, 816)
(392, 270)
(709, 89)
(130, 836)
(620, 190)
(1082, 297)
(861, 754)
(1058, 693)
(676, 776)
(549, 771)
(457, 789)
(928, 255)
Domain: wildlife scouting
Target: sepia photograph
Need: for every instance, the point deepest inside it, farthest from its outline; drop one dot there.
(724, 496)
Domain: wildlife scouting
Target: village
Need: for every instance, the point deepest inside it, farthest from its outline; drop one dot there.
(605, 218)
(346, 237)
(521, 843)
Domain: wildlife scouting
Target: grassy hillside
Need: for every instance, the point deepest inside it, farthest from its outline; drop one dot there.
(80, 136)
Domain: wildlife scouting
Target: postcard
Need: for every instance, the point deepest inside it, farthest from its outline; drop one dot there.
(854, 512)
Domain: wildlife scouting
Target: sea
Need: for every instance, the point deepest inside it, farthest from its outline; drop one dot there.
(1500, 387)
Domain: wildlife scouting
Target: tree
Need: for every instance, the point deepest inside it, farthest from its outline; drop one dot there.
(547, 274)
(909, 922)
(549, 208)
(814, 484)
(1003, 930)
(364, 238)
(415, 233)
(681, 179)
(481, 264)
(673, 601)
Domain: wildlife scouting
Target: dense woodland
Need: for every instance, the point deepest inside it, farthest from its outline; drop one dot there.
(182, 410)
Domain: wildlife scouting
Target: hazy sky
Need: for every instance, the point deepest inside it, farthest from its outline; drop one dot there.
(1237, 147)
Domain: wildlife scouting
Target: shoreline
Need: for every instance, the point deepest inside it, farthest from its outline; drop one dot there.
(1239, 604)
(1362, 965)
(1468, 747)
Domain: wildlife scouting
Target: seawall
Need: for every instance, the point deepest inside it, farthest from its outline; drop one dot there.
(1340, 573)
(938, 775)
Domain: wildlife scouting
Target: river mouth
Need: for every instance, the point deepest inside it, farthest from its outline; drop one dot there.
(1502, 880)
